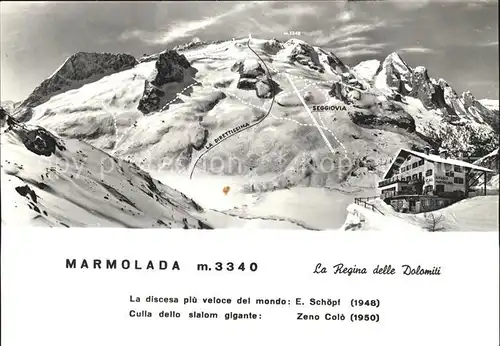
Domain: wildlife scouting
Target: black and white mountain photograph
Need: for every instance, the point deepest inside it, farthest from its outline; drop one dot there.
(313, 116)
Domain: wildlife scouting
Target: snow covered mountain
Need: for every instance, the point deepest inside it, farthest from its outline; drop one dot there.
(277, 114)
(79, 69)
(54, 182)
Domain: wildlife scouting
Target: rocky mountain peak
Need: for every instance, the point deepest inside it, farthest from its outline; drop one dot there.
(468, 99)
(79, 69)
(395, 75)
(170, 67)
(421, 86)
(274, 45)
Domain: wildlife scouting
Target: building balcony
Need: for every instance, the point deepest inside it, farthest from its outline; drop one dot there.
(398, 179)
(455, 195)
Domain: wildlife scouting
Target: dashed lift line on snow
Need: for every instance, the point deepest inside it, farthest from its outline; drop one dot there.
(324, 127)
(246, 126)
(328, 144)
(271, 84)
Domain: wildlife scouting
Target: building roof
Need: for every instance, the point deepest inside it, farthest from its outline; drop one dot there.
(437, 158)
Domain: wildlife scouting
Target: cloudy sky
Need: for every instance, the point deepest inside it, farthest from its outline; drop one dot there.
(457, 41)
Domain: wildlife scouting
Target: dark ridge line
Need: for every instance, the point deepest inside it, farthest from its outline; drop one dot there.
(271, 83)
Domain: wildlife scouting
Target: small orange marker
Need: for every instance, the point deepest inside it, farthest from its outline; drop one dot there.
(226, 190)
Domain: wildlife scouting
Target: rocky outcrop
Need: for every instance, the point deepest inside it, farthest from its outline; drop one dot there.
(477, 109)
(399, 119)
(421, 86)
(273, 46)
(195, 43)
(23, 114)
(468, 99)
(345, 89)
(36, 139)
(305, 54)
(395, 75)
(170, 67)
(3, 116)
(79, 69)
(253, 77)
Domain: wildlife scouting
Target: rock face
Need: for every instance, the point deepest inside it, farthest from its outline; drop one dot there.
(384, 114)
(347, 90)
(3, 115)
(23, 114)
(37, 139)
(395, 75)
(253, 77)
(79, 69)
(421, 86)
(399, 79)
(306, 55)
(169, 68)
(273, 46)
(475, 107)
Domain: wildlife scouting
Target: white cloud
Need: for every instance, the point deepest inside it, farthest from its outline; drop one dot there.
(488, 44)
(292, 10)
(183, 29)
(347, 31)
(353, 53)
(410, 5)
(416, 50)
(350, 40)
(358, 46)
(345, 16)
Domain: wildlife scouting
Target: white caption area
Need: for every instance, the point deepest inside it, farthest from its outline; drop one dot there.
(44, 303)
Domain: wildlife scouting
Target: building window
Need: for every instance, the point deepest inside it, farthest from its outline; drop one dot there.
(458, 180)
(414, 177)
(428, 173)
(450, 174)
(421, 162)
(457, 169)
(414, 165)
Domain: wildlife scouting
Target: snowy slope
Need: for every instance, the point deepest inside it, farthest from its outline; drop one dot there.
(465, 216)
(231, 108)
(205, 106)
(367, 69)
(53, 182)
(490, 104)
